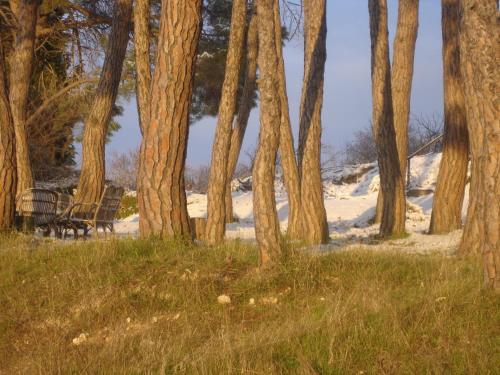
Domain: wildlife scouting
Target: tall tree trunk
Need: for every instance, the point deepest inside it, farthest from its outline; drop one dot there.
(244, 109)
(92, 175)
(286, 147)
(8, 175)
(142, 61)
(480, 53)
(161, 193)
(391, 179)
(401, 81)
(21, 63)
(450, 187)
(311, 188)
(267, 229)
(402, 74)
(216, 211)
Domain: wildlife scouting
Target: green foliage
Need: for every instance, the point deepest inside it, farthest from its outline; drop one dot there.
(340, 313)
(128, 207)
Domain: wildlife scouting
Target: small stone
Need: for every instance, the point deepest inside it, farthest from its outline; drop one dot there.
(223, 299)
(80, 339)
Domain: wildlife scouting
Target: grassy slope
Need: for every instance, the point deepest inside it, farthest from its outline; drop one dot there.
(352, 312)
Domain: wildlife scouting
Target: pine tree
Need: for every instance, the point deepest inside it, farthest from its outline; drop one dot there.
(161, 193)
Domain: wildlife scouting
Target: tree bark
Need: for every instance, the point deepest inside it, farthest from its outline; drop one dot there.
(391, 179)
(267, 229)
(92, 175)
(480, 53)
(216, 211)
(401, 82)
(311, 185)
(244, 110)
(8, 175)
(286, 147)
(161, 193)
(402, 74)
(142, 60)
(21, 63)
(450, 187)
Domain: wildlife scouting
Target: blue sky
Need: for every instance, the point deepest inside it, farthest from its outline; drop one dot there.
(347, 93)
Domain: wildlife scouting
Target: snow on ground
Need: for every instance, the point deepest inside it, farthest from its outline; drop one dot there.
(349, 207)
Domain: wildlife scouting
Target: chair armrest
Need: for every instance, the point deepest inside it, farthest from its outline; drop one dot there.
(86, 208)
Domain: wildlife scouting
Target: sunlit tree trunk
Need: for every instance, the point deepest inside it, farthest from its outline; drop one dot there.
(21, 63)
(161, 193)
(311, 186)
(216, 211)
(8, 175)
(401, 81)
(142, 60)
(480, 53)
(92, 175)
(267, 229)
(244, 109)
(402, 74)
(450, 187)
(286, 147)
(391, 179)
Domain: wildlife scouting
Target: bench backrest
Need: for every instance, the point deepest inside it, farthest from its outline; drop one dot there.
(109, 204)
(39, 204)
(64, 203)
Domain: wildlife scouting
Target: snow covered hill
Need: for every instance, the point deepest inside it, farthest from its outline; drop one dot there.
(350, 199)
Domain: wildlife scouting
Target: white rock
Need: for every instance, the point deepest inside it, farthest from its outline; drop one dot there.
(223, 299)
(80, 339)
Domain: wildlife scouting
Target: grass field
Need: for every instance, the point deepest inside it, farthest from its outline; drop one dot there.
(134, 306)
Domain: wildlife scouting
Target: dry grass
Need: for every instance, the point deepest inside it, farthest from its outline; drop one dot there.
(344, 313)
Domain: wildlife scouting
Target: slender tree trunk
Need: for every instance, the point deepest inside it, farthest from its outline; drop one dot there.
(8, 175)
(402, 74)
(401, 81)
(161, 193)
(450, 187)
(142, 61)
(216, 210)
(391, 179)
(267, 229)
(21, 62)
(92, 176)
(244, 109)
(480, 53)
(311, 188)
(286, 147)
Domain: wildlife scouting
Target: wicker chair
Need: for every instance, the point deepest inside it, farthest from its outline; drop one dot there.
(87, 216)
(37, 208)
(64, 204)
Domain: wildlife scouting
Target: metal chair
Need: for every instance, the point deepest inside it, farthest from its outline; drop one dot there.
(37, 208)
(87, 216)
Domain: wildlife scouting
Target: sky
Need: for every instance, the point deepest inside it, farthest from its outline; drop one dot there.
(347, 91)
